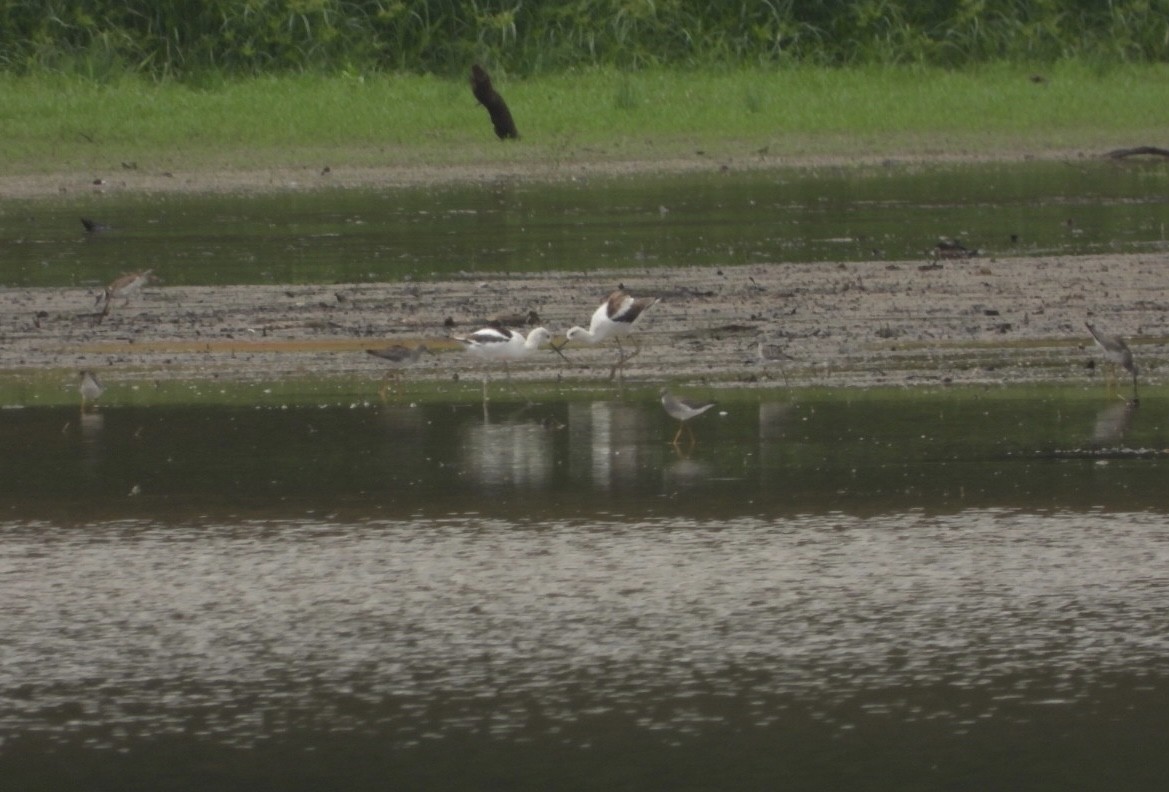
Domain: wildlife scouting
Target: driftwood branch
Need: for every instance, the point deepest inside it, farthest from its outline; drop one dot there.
(1152, 151)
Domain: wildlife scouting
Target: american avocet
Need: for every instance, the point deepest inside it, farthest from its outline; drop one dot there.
(123, 287)
(90, 388)
(398, 357)
(683, 410)
(1116, 353)
(614, 318)
(499, 343)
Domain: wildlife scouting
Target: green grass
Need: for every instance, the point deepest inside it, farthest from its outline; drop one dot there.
(55, 124)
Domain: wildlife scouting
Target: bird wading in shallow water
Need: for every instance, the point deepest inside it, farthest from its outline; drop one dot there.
(90, 388)
(398, 357)
(614, 318)
(501, 344)
(683, 411)
(1116, 354)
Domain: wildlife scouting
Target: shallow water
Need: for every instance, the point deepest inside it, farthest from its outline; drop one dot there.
(831, 215)
(934, 591)
(946, 590)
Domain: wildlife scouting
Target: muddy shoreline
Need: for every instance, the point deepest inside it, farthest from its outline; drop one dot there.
(907, 323)
(293, 178)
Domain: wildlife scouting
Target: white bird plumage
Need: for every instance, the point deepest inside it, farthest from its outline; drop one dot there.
(614, 318)
(499, 343)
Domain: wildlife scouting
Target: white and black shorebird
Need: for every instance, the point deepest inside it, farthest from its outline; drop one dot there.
(398, 357)
(1116, 354)
(501, 344)
(90, 388)
(614, 318)
(683, 411)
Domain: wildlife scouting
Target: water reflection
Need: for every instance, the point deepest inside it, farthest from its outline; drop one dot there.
(608, 442)
(91, 426)
(830, 215)
(374, 589)
(1113, 422)
(514, 454)
(685, 471)
(787, 455)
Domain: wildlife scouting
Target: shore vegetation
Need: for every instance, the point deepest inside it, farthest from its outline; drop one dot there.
(65, 123)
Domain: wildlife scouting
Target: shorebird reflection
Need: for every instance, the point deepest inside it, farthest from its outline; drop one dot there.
(607, 442)
(517, 454)
(1113, 422)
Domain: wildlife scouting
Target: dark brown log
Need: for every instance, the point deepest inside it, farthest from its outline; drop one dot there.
(485, 92)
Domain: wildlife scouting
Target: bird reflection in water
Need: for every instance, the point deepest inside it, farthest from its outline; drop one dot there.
(515, 453)
(773, 419)
(1113, 422)
(607, 442)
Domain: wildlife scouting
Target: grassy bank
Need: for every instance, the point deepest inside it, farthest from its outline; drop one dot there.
(53, 124)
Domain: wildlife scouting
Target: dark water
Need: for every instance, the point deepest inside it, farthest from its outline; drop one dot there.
(949, 591)
(960, 590)
(644, 221)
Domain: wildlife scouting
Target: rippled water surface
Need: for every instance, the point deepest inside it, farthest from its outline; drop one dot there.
(930, 592)
(925, 591)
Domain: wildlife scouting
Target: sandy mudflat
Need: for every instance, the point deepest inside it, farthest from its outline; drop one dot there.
(981, 320)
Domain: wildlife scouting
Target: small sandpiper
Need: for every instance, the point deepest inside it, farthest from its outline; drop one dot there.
(399, 357)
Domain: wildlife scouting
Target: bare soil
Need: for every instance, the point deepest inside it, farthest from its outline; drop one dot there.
(978, 320)
(968, 321)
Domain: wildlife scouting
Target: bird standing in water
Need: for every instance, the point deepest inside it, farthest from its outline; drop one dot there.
(614, 319)
(1117, 354)
(499, 343)
(398, 357)
(683, 410)
(90, 389)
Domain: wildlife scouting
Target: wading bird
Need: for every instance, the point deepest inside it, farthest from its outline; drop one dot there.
(1116, 353)
(123, 287)
(683, 411)
(399, 357)
(614, 318)
(501, 344)
(90, 389)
